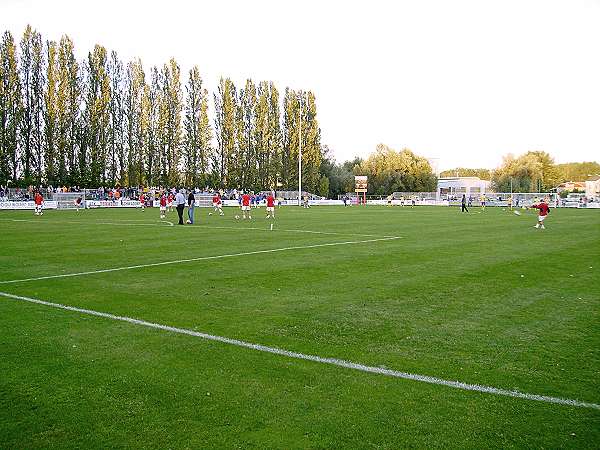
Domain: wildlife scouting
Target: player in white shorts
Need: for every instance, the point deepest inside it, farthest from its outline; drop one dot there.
(270, 206)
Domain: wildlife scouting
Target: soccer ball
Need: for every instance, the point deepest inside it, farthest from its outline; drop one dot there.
(517, 212)
(210, 214)
(188, 221)
(237, 217)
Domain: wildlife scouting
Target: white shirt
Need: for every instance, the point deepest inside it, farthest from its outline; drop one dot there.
(180, 199)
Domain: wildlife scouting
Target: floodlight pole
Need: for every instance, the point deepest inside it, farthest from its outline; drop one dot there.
(300, 154)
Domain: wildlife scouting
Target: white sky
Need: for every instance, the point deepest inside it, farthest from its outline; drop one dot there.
(462, 80)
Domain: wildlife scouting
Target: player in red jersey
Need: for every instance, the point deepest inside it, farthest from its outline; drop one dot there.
(217, 204)
(163, 205)
(246, 206)
(544, 209)
(142, 200)
(270, 206)
(170, 202)
(39, 202)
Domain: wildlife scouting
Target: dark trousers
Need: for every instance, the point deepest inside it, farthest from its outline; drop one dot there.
(180, 213)
(463, 208)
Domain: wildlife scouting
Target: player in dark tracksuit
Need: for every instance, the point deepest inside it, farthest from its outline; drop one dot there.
(463, 204)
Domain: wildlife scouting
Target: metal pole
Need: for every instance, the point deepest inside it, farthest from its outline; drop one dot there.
(300, 155)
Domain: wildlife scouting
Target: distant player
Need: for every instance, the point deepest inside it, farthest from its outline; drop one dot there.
(402, 200)
(78, 201)
(270, 206)
(246, 206)
(413, 201)
(482, 200)
(544, 209)
(170, 199)
(142, 201)
(305, 202)
(217, 204)
(163, 205)
(510, 202)
(39, 202)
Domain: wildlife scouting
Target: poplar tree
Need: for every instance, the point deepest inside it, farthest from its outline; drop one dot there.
(31, 83)
(50, 113)
(197, 131)
(171, 107)
(246, 135)
(133, 111)
(98, 114)
(10, 109)
(152, 102)
(225, 111)
(117, 162)
(67, 108)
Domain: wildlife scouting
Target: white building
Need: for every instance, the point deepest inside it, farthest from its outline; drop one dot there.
(592, 187)
(457, 186)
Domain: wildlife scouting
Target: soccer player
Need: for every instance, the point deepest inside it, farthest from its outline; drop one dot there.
(163, 205)
(482, 200)
(402, 200)
(305, 202)
(217, 204)
(142, 200)
(78, 201)
(544, 209)
(39, 202)
(246, 206)
(413, 200)
(510, 202)
(270, 206)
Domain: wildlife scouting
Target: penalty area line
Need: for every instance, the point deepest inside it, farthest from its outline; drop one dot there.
(200, 258)
(317, 359)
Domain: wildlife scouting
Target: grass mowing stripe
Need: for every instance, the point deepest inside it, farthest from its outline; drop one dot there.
(319, 359)
(200, 258)
(77, 222)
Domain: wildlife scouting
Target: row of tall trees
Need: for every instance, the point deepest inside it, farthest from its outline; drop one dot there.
(100, 122)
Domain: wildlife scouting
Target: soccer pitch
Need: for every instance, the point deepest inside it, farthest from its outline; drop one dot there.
(340, 328)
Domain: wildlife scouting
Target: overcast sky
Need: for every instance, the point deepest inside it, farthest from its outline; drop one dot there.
(465, 81)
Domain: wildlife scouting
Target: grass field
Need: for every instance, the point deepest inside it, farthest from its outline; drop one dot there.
(480, 298)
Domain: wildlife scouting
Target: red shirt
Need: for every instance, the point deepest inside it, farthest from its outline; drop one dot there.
(270, 201)
(245, 200)
(170, 198)
(142, 198)
(163, 201)
(543, 207)
(216, 199)
(38, 199)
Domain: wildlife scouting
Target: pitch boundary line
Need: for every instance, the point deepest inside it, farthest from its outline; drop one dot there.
(319, 359)
(78, 222)
(200, 258)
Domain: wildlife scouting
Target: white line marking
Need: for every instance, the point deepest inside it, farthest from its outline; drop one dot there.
(287, 230)
(201, 258)
(319, 359)
(197, 227)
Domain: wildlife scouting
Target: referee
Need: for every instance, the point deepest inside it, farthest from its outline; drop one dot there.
(180, 202)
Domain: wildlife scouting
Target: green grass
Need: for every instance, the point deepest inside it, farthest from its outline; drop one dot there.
(483, 298)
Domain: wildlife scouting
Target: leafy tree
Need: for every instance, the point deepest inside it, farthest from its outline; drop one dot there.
(391, 171)
(484, 174)
(531, 172)
(116, 168)
(577, 171)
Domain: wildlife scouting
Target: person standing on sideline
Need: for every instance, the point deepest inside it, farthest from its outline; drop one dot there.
(191, 204)
(246, 206)
(180, 202)
(270, 206)
(463, 204)
(163, 205)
